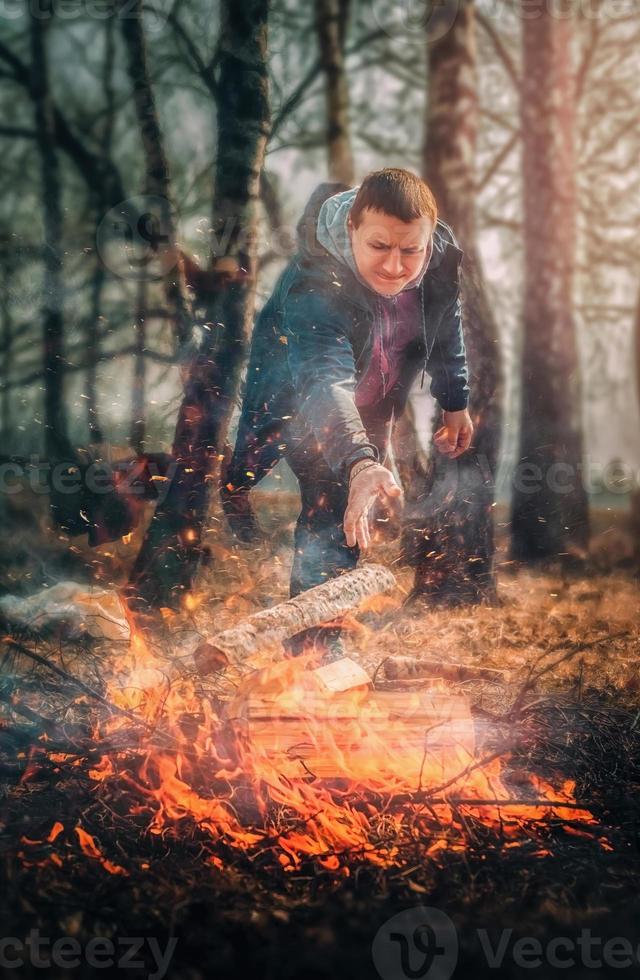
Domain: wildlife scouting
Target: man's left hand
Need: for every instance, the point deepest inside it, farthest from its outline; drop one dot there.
(454, 438)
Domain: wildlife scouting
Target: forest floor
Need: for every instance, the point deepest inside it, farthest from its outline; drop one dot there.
(245, 912)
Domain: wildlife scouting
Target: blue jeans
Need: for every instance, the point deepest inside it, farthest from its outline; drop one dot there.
(320, 547)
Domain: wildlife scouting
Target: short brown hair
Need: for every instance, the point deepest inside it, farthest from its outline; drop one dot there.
(396, 192)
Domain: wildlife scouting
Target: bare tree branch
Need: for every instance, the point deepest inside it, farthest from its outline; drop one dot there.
(499, 47)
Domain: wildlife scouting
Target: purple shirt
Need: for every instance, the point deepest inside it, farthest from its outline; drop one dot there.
(396, 324)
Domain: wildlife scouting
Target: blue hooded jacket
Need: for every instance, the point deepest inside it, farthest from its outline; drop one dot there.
(312, 343)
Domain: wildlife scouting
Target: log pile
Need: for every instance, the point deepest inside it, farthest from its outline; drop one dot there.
(292, 717)
(329, 721)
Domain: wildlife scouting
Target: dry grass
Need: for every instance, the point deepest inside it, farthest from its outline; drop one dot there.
(579, 722)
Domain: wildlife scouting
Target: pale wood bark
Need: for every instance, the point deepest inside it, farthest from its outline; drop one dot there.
(169, 557)
(549, 507)
(316, 606)
(450, 532)
(330, 19)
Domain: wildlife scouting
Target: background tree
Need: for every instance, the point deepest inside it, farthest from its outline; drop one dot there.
(451, 521)
(170, 553)
(161, 216)
(101, 163)
(331, 21)
(549, 510)
(100, 205)
(635, 499)
(55, 415)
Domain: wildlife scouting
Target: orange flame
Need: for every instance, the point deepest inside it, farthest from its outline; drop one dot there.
(91, 849)
(319, 775)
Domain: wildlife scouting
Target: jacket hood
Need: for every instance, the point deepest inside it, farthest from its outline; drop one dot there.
(332, 233)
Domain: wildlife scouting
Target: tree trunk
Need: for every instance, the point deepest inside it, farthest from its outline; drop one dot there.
(57, 445)
(138, 400)
(636, 350)
(549, 507)
(168, 560)
(6, 348)
(451, 525)
(330, 17)
(635, 498)
(101, 205)
(93, 352)
(160, 223)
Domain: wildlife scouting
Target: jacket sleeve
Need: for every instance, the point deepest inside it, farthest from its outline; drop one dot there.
(447, 363)
(324, 375)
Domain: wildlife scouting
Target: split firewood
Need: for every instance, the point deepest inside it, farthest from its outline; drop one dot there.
(322, 604)
(293, 719)
(412, 669)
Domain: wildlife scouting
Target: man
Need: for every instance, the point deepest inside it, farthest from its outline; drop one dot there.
(370, 300)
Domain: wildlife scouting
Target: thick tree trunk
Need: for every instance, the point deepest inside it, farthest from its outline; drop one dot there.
(138, 392)
(56, 437)
(100, 200)
(451, 524)
(549, 508)
(161, 222)
(168, 560)
(331, 16)
(93, 352)
(635, 499)
(636, 350)
(6, 346)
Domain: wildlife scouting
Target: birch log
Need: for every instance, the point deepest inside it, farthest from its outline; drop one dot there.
(314, 607)
(408, 668)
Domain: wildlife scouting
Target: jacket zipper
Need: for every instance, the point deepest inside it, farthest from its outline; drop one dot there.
(424, 334)
(394, 327)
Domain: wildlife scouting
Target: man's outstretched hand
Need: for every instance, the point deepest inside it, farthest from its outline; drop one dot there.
(454, 438)
(369, 482)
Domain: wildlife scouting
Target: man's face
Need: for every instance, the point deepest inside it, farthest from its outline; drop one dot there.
(389, 253)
